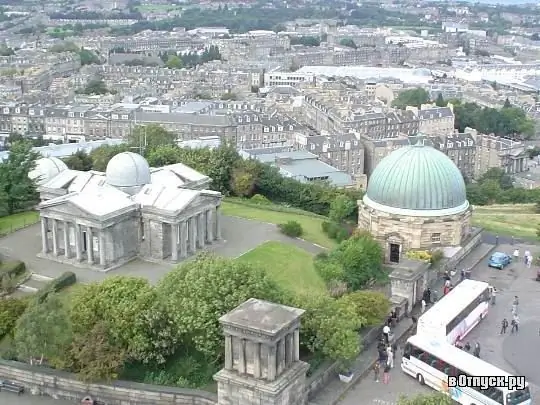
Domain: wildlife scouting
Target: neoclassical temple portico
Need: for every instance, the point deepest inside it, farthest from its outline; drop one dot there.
(105, 225)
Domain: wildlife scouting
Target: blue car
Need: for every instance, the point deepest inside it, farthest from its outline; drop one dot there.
(499, 260)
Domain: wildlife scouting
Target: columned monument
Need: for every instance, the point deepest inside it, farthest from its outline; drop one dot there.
(262, 356)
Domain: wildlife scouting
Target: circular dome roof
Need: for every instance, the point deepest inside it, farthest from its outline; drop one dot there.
(417, 180)
(128, 169)
(46, 168)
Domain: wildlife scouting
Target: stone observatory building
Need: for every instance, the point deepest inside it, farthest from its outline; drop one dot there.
(102, 220)
(415, 200)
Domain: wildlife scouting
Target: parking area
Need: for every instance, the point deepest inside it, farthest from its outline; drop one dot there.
(510, 352)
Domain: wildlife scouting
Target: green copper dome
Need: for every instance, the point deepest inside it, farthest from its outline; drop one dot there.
(417, 178)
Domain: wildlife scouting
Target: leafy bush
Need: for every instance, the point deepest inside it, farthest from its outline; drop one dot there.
(58, 284)
(260, 199)
(328, 270)
(370, 306)
(292, 229)
(436, 256)
(10, 310)
(423, 255)
(335, 231)
(12, 268)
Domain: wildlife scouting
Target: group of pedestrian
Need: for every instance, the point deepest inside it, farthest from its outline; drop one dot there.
(387, 357)
(527, 257)
(515, 319)
(467, 347)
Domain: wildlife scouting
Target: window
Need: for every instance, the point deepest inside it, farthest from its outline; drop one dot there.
(71, 114)
(125, 116)
(17, 110)
(115, 116)
(266, 129)
(81, 115)
(6, 110)
(31, 111)
(435, 238)
(467, 311)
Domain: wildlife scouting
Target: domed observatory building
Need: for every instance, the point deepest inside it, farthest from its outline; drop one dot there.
(46, 168)
(415, 200)
(102, 220)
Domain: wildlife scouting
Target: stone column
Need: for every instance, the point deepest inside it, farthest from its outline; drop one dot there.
(44, 235)
(272, 362)
(78, 242)
(183, 239)
(289, 349)
(256, 360)
(193, 234)
(174, 242)
(200, 230)
(67, 252)
(89, 245)
(55, 236)
(241, 355)
(209, 226)
(217, 223)
(296, 343)
(102, 255)
(228, 352)
(281, 356)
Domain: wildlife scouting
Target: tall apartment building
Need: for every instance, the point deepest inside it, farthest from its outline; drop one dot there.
(493, 151)
(461, 148)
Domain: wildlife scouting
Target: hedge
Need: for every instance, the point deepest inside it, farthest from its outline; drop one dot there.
(58, 284)
(12, 268)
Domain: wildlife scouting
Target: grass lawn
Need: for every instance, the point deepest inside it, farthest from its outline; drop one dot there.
(311, 225)
(519, 220)
(14, 222)
(157, 8)
(291, 267)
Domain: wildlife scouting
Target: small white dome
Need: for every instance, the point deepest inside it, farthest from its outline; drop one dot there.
(47, 168)
(128, 169)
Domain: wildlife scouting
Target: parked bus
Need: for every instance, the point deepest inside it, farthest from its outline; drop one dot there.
(431, 362)
(457, 313)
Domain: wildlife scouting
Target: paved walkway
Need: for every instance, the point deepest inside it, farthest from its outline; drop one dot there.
(239, 236)
(7, 398)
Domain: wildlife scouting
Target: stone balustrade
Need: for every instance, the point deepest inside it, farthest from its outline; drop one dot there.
(58, 384)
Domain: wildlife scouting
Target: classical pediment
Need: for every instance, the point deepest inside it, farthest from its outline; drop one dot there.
(65, 209)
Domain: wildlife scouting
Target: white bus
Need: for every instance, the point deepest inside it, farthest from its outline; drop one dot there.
(457, 313)
(431, 362)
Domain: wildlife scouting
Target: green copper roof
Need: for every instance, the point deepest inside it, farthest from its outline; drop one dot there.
(417, 177)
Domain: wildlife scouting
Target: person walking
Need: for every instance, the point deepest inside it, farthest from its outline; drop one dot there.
(529, 261)
(476, 351)
(516, 255)
(390, 354)
(516, 322)
(386, 334)
(493, 295)
(423, 306)
(526, 256)
(514, 326)
(516, 300)
(467, 347)
(504, 326)
(376, 371)
(386, 374)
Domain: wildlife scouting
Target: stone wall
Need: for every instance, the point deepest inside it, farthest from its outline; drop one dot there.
(57, 384)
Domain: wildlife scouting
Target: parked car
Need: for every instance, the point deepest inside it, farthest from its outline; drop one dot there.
(499, 260)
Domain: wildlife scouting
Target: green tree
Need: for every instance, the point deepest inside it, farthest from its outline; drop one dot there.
(174, 62)
(96, 355)
(44, 331)
(440, 101)
(88, 57)
(426, 399)
(200, 291)
(102, 155)
(10, 310)
(341, 208)
(413, 98)
(329, 327)
(17, 190)
(130, 308)
(244, 178)
(328, 270)
(151, 136)
(80, 160)
(361, 257)
(371, 306)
